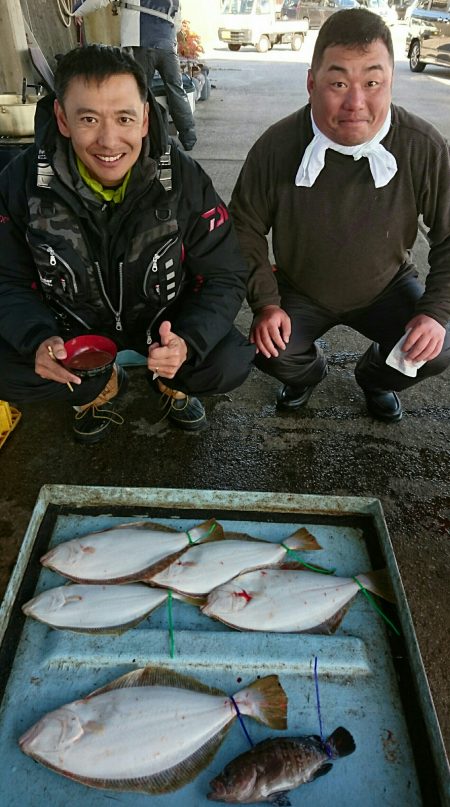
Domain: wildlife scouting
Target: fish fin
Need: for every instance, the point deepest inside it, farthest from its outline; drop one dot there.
(197, 600)
(379, 583)
(244, 536)
(325, 768)
(265, 700)
(151, 526)
(166, 781)
(341, 742)
(146, 575)
(156, 676)
(297, 565)
(280, 799)
(209, 531)
(302, 539)
(330, 625)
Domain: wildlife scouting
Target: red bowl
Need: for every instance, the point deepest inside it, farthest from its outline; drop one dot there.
(89, 355)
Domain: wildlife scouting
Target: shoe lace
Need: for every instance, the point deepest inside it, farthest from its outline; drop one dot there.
(101, 414)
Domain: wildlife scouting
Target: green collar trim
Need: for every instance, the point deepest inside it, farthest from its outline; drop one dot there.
(115, 195)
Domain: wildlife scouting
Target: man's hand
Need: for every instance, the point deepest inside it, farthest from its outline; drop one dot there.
(167, 356)
(271, 329)
(425, 340)
(46, 364)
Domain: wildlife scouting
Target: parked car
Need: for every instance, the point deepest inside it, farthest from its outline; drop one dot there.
(386, 12)
(315, 12)
(428, 37)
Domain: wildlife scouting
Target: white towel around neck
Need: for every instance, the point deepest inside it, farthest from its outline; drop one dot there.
(382, 163)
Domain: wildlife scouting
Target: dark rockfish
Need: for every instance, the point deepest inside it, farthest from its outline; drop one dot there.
(274, 767)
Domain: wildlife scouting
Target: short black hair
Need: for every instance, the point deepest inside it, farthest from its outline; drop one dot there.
(97, 62)
(351, 28)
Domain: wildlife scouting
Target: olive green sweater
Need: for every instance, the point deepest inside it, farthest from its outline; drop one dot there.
(343, 240)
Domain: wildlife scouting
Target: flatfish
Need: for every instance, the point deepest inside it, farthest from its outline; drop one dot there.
(290, 601)
(201, 568)
(273, 767)
(95, 608)
(152, 730)
(126, 553)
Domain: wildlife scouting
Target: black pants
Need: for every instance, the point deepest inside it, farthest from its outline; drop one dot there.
(167, 64)
(226, 367)
(303, 363)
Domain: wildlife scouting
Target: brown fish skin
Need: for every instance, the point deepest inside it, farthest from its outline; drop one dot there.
(273, 767)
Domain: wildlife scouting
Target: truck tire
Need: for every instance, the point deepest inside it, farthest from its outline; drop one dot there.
(233, 47)
(296, 41)
(414, 59)
(263, 45)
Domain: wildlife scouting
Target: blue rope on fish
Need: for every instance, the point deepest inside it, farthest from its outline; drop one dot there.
(298, 557)
(316, 681)
(192, 541)
(241, 721)
(170, 617)
(376, 606)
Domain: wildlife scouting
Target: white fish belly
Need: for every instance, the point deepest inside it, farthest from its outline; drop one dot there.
(114, 553)
(93, 607)
(204, 567)
(128, 733)
(285, 601)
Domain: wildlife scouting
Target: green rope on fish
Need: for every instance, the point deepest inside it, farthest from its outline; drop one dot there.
(211, 529)
(298, 557)
(374, 605)
(170, 617)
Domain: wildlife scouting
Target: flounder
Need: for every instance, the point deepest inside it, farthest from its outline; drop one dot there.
(151, 730)
(126, 553)
(94, 608)
(290, 601)
(201, 568)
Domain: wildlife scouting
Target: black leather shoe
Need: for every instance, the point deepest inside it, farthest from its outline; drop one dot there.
(292, 398)
(383, 405)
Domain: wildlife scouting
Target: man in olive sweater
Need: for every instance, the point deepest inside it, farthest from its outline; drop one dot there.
(341, 184)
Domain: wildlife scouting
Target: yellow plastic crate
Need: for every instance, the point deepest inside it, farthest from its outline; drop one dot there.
(9, 418)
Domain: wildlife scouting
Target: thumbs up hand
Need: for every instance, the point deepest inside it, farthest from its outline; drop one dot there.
(166, 356)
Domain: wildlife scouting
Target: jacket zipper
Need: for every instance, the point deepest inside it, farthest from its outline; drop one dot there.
(117, 314)
(54, 258)
(153, 266)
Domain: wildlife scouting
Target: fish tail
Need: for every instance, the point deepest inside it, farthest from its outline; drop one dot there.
(210, 530)
(303, 540)
(265, 700)
(378, 583)
(341, 742)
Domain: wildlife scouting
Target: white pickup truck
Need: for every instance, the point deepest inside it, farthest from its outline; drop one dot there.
(258, 23)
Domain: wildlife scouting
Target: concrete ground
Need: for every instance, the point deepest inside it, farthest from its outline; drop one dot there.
(332, 448)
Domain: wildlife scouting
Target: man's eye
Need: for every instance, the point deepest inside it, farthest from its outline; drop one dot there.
(124, 119)
(339, 84)
(88, 119)
(373, 83)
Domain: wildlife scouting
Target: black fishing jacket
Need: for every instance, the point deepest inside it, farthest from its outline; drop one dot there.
(70, 263)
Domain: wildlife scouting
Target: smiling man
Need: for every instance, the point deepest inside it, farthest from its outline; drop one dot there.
(106, 227)
(341, 184)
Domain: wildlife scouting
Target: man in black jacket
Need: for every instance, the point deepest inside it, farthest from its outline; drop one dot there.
(108, 228)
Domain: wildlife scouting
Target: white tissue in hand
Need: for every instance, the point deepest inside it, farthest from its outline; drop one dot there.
(397, 359)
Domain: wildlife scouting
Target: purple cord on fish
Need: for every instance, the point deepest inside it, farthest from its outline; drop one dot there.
(241, 721)
(316, 681)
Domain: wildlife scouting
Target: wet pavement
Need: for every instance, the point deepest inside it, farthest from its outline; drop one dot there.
(331, 448)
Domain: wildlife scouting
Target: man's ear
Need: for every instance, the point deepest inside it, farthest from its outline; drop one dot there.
(146, 119)
(310, 81)
(61, 119)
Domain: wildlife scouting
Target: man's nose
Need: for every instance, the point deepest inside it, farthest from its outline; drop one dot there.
(106, 135)
(355, 98)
